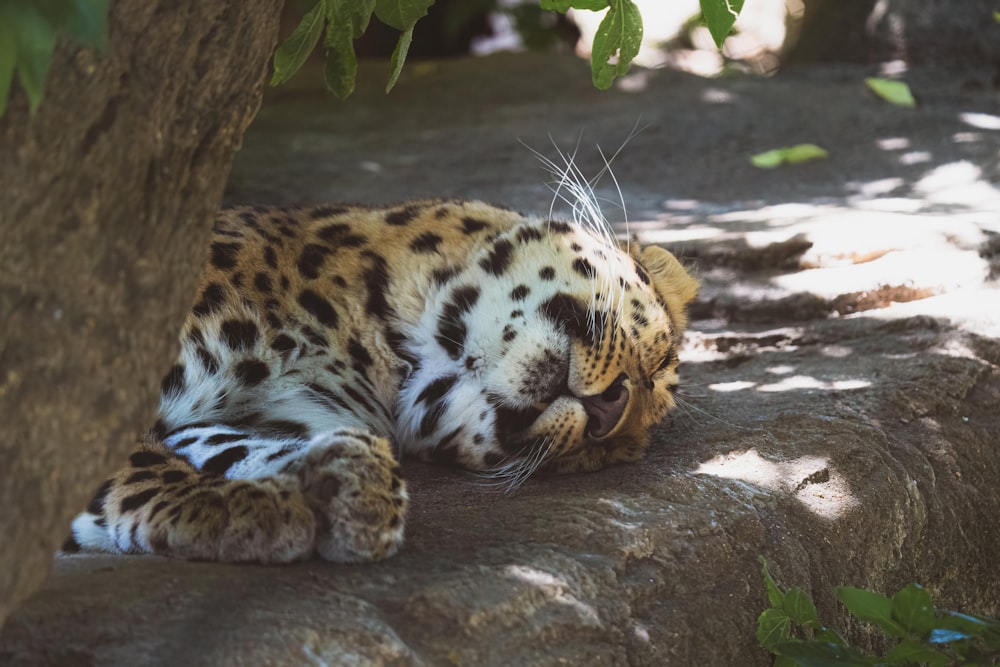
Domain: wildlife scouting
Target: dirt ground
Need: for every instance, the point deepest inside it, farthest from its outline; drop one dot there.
(841, 381)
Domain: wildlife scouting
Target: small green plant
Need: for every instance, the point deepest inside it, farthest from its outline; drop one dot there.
(340, 22)
(791, 630)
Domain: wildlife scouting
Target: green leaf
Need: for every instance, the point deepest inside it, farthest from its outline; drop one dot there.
(288, 57)
(360, 14)
(912, 652)
(8, 59)
(913, 608)
(401, 14)
(720, 15)
(895, 92)
(35, 37)
(996, 16)
(774, 594)
(871, 608)
(830, 636)
(563, 5)
(790, 155)
(800, 608)
(341, 63)
(620, 33)
(398, 57)
(773, 627)
(87, 21)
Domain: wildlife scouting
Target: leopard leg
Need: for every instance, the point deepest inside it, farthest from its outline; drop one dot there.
(217, 493)
(351, 480)
(161, 504)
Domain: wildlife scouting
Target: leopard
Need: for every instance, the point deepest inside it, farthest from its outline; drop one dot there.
(327, 342)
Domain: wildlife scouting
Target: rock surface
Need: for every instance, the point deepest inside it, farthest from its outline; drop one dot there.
(840, 407)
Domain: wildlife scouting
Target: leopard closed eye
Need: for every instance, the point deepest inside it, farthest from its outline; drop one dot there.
(325, 342)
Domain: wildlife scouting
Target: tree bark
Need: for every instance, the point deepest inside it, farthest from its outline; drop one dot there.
(933, 32)
(105, 206)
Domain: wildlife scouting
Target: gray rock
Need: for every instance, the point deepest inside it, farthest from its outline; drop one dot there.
(839, 414)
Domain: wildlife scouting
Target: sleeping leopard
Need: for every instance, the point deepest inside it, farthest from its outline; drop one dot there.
(327, 342)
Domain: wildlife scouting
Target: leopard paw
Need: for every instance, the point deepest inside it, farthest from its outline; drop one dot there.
(352, 482)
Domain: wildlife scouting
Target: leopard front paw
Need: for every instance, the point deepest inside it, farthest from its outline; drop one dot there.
(352, 482)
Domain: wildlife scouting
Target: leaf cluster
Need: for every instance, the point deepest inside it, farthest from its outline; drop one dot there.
(28, 32)
(340, 22)
(791, 629)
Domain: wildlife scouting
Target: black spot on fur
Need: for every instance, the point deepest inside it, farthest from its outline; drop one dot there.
(526, 234)
(173, 381)
(436, 389)
(559, 227)
(571, 314)
(327, 397)
(499, 258)
(520, 292)
(223, 461)
(140, 476)
(319, 308)
(174, 476)
(146, 459)
(185, 442)
(223, 438)
(441, 276)
(270, 257)
(262, 282)
(431, 418)
(283, 428)
(361, 400)
(311, 260)
(326, 212)
(284, 451)
(239, 334)
(211, 300)
(224, 255)
(340, 235)
(451, 333)
(96, 504)
(583, 266)
(547, 273)
(359, 355)
(376, 278)
(509, 333)
(472, 225)
(402, 216)
(251, 372)
(283, 344)
(426, 243)
(137, 500)
(643, 276)
(208, 360)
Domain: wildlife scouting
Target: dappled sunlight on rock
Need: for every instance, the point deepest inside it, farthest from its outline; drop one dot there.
(800, 382)
(983, 121)
(959, 183)
(809, 479)
(555, 590)
(792, 383)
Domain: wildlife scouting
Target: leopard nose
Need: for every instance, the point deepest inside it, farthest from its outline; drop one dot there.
(606, 409)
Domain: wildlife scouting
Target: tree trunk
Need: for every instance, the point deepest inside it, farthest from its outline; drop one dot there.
(106, 199)
(933, 32)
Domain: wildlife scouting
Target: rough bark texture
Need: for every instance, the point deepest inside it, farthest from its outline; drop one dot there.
(105, 206)
(834, 420)
(931, 32)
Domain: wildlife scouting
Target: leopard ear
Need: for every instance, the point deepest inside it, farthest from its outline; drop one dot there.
(673, 283)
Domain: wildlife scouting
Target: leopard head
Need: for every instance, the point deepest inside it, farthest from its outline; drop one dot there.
(555, 349)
